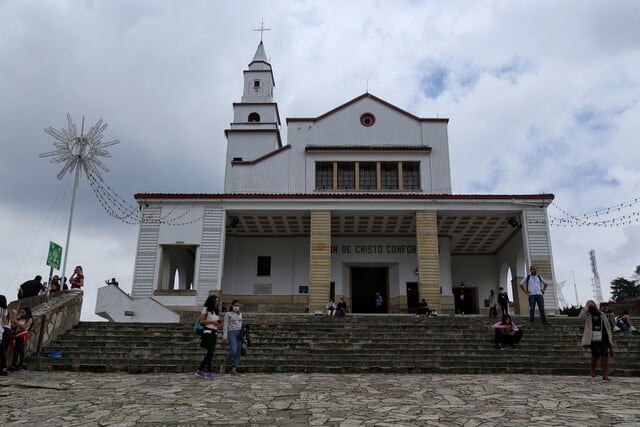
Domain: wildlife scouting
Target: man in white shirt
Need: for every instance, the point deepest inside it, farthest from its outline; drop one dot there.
(534, 286)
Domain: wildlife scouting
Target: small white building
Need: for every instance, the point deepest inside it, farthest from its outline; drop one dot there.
(358, 201)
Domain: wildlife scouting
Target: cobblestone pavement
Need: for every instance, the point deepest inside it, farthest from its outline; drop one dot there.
(87, 399)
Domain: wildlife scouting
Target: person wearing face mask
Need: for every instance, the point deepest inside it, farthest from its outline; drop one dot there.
(597, 336)
(232, 335)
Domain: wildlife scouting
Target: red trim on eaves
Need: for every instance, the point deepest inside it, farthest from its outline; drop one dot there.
(355, 196)
(259, 159)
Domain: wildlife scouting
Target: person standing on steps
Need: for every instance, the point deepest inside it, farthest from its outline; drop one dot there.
(535, 286)
(598, 337)
(379, 303)
(493, 311)
(232, 335)
(211, 321)
(503, 300)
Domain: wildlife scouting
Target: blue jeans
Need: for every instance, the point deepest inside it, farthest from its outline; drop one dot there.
(235, 345)
(533, 300)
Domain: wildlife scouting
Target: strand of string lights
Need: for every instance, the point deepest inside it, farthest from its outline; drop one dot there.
(118, 208)
(619, 215)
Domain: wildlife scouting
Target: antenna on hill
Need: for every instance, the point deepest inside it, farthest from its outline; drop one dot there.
(597, 288)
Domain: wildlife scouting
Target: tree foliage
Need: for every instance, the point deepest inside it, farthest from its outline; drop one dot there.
(572, 311)
(622, 289)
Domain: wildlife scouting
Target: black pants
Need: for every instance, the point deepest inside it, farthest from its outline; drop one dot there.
(208, 342)
(493, 312)
(18, 353)
(4, 347)
(504, 308)
(507, 339)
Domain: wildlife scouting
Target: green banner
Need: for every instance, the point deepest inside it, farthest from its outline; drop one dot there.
(55, 253)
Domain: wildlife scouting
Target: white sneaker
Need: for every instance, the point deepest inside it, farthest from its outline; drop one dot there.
(616, 329)
(632, 329)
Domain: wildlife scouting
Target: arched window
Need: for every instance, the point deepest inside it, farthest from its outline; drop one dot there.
(254, 117)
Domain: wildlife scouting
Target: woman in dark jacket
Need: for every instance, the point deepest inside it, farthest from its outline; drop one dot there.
(211, 321)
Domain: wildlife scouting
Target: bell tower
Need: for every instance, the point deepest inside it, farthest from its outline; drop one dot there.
(255, 130)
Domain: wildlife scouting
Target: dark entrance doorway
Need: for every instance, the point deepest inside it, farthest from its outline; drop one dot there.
(365, 282)
(412, 297)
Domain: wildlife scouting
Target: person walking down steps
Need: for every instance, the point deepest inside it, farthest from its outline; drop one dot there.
(211, 321)
(232, 335)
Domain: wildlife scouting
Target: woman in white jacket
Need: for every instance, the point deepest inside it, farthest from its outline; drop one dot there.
(598, 337)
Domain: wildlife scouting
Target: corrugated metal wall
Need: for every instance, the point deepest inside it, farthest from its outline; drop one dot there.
(146, 255)
(211, 252)
(539, 248)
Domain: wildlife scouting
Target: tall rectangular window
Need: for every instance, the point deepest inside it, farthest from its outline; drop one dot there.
(389, 175)
(324, 176)
(346, 175)
(410, 175)
(264, 266)
(368, 178)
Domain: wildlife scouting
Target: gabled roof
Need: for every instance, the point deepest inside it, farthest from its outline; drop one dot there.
(356, 99)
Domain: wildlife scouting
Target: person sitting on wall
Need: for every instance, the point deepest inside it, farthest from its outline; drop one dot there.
(113, 281)
(423, 308)
(55, 284)
(331, 308)
(341, 310)
(31, 288)
(624, 322)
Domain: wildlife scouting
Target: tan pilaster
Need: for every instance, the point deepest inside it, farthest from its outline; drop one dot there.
(320, 262)
(428, 259)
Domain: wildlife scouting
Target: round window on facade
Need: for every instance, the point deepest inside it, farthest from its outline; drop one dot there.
(254, 117)
(367, 119)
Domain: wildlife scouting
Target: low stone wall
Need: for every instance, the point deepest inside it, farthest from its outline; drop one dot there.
(52, 317)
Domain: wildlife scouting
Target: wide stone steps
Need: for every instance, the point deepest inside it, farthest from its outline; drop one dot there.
(294, 343)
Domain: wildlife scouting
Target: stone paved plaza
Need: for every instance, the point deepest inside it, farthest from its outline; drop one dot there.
(89, 399)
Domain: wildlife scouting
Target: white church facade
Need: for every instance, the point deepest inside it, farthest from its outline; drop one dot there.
(357, 202)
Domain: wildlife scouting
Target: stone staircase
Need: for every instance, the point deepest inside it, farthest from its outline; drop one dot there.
(354, 344)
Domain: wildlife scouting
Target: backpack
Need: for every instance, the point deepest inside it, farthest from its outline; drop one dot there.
(198, 327)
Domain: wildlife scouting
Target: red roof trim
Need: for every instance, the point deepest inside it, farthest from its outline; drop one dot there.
(259, 159)
(316, 196)
(358, 98)
(405, 148)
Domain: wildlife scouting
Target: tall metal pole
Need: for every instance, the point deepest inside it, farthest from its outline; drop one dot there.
(81, 144)
(73, 202)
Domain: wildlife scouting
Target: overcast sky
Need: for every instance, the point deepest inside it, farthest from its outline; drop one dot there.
(542, 96)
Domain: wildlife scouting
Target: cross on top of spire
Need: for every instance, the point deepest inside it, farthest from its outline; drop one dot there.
(262, 29)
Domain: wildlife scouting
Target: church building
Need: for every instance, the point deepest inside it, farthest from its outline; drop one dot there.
(358, 201)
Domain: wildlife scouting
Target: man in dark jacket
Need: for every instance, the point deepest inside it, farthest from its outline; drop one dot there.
(31, 288)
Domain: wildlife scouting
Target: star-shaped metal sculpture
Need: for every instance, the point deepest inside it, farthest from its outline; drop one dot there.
(79, 150)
